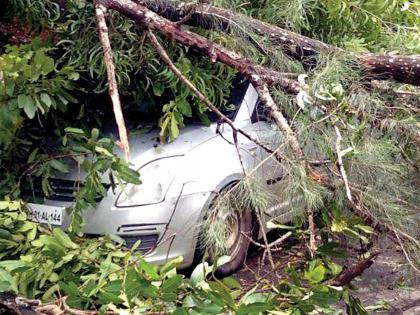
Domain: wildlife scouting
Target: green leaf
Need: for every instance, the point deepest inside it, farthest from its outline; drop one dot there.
(46, 63)
(4, 234)
(32, 156)
(232, 283)
(22, 99)
(103, 151)
(149, 270)
(74, 130)
(174, 128)
(64, 239)
(184, 107)
(171, 265)
(7, 282)
(334, 268)
(47, 295)
(46, 99)
(59, 166)
(26, 102)
(338, 226)
(365, 228)
(52, 244)
(273, 225)
(10, 88)
(127, 174)
(200, 273)
(72, 291)
(170, 287)
(315, 275)
(11, 265)
(331, 249)
(254, 308)
(158, 89)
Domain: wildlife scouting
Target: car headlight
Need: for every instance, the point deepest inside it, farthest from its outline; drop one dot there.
(156, 178)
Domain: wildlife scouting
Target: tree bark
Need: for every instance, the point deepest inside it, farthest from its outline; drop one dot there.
(405, 69)
(348, 275)
(112, 81)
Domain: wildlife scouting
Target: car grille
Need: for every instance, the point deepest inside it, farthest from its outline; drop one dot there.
(62, 190)
(147, 242)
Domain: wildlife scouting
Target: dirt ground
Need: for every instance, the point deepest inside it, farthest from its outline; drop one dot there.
(387, 287)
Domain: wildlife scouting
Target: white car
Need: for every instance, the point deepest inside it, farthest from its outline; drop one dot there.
(180, 179)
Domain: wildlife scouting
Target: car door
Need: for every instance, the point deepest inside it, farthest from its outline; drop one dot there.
(270, 169)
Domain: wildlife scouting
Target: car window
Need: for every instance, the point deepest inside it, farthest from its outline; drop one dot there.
(260, 113)
(144, 114)
(237, 93)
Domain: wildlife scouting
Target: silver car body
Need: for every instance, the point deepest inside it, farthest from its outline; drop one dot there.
(184, 176)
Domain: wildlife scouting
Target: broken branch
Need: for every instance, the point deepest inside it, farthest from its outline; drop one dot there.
(100, 11)
(348, 275)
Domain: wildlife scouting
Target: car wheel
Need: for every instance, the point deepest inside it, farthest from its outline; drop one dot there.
(240, 232)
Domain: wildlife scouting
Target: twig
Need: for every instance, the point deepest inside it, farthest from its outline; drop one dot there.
(100, 11)
(266, 244)
(2, 78)
(278, 117)
(405, 252)
(402, 245)
(268, 247)
(340, 155)
(189, 13)
(312, 233)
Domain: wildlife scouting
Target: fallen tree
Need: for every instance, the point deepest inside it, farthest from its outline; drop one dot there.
(345, 148)
(261, 78)
(402, 68)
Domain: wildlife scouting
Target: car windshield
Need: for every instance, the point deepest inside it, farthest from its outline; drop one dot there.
(136, 117)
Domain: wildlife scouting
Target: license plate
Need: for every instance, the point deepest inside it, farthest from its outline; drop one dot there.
(45, 214)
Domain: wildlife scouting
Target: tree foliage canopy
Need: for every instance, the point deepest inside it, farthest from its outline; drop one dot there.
(53, 106)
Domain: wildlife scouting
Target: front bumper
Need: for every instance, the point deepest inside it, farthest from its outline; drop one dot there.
(168, 229)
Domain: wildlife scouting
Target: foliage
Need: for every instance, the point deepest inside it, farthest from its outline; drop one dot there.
(360, 26)
(40, 83)
(31, 85)
(141, 77)
(97, 272)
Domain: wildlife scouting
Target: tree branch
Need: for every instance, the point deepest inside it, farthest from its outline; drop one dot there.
(199, 44)
(402, 68)
(348, 275)
(100, 11)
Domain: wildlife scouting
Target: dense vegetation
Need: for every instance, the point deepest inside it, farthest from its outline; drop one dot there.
(53, 106)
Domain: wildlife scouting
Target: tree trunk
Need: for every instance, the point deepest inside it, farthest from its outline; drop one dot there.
(405, 69)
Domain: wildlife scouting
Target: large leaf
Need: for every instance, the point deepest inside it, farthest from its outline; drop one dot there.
(64, 239)
(27, 104)
(7, 282)
(46, 99)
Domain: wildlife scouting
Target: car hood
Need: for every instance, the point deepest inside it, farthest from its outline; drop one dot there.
(146, 147)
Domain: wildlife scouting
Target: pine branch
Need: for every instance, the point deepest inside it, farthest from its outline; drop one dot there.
(401, 68)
